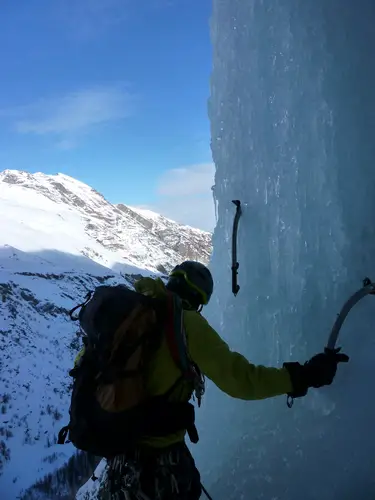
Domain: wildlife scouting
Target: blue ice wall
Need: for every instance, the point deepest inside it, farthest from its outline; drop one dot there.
(292, 113)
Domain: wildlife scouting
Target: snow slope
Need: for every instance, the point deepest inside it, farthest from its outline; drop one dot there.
(58, 239)
(39, 211)
(37, 345)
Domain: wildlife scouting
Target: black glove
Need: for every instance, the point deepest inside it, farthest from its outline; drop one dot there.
(318, 371)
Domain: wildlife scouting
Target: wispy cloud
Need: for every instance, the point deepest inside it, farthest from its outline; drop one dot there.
(66, 144)
(72, 115)
(187, 181)
(185, 195)
(86, 19)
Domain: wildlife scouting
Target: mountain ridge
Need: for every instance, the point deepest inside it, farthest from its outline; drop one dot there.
(110, 234)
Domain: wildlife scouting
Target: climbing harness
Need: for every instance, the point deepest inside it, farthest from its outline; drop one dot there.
(95, 478)
(368, 288)
(235, 264)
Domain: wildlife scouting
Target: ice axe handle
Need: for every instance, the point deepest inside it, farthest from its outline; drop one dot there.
(235, 264)
(367, 289)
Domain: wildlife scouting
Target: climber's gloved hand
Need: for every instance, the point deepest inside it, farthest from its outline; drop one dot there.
(318, 371)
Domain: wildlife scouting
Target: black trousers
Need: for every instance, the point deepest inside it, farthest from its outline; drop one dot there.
(167, 474)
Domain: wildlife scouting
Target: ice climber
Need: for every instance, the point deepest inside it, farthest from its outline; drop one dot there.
(162, 468)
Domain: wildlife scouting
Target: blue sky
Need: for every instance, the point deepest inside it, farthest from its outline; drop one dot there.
(114, 93)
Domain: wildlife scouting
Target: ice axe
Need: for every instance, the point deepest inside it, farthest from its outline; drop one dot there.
(368, 288)
(235, 263)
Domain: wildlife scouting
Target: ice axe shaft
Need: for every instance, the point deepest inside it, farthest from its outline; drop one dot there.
(235, 264)
(367, 289)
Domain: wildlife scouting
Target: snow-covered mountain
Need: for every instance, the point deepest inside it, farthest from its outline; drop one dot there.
(41, 211)
(59, 238)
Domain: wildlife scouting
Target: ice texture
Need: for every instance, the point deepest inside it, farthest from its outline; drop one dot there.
(292, 114)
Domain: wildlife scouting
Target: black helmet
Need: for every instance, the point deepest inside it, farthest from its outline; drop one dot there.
(192, 281)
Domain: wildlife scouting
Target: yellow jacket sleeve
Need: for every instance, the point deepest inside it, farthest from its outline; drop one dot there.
(79, 356)
(229, 370)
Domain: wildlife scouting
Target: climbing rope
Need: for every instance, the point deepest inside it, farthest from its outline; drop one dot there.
(206, 492)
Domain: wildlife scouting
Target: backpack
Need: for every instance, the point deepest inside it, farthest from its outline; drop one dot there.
(110, 410)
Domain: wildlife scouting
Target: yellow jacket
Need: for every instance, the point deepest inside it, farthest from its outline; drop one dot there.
(229, 370)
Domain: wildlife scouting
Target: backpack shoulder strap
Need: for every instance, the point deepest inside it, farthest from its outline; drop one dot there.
(177, 343)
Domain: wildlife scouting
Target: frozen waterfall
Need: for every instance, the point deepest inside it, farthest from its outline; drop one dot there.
(292, 116)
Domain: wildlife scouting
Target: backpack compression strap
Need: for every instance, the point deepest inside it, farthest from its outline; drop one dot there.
(176, 339)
